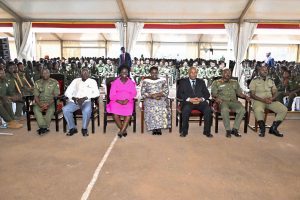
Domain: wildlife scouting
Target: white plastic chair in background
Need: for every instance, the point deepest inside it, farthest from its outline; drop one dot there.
(296, 104)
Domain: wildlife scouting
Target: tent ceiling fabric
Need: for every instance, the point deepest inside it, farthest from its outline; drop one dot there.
(184, 9)
(5, 15)
(274, 10)
(154, 10)
(65, 9)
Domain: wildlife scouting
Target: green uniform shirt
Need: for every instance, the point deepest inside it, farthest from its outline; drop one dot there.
(226, 91)
(11, 82)
(262, 88)
(46, 90)
(3, 88)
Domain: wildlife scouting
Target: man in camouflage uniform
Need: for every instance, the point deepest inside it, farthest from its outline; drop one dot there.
(264, 93)
(55, 67)
(246, 72)
(225, 92)
(209, 74)
(45, 90)
(137, 71)
(15, 88)
(109, 69)
(147, 66)
(6, 111)
(289, 87)
(183, 70)
(202, 72)
(72, 73)
(37, 71)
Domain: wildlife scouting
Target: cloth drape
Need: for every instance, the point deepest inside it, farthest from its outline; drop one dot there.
(133, 30)
(26, 44)
(121, 30)
(239, 43)
(245, 37)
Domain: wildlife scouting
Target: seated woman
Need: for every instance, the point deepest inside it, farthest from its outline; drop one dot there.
(155, 92)
(122, 93)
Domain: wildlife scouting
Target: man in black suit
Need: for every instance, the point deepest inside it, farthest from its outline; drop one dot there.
(125, 59)
(194, 94)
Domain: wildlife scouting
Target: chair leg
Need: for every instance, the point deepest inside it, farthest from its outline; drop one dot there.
(217, 123)
(93, 123)
(170, 129)
(134, 122)
(56, 122)
(98, 117)
(104, 123)
(142, 121)
(64, 125)
(246, 123)
(28, 122)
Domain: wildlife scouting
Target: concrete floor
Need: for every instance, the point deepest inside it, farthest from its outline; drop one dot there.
(144, 167)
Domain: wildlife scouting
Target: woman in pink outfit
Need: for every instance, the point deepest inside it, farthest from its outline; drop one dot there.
(122, 93)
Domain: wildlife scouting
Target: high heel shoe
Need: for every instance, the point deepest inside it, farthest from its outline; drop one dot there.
(124, 134)
(120, 134)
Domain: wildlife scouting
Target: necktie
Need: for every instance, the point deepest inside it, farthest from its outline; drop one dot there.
(193, 84)
(123, 57)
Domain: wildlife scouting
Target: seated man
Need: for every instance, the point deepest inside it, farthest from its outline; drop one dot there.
(264, 93)
(225, 92)
(80, 92)
(6, 111)
(288, 87)
(45, 90)
(194, 94)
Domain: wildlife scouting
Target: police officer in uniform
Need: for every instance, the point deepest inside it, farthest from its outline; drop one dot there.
(264, 92)
(225, 92)
(45, 90)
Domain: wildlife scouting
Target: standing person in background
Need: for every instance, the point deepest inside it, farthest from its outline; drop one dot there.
(269, 60)
(125, 59)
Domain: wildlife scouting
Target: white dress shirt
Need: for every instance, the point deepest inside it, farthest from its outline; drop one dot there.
(80, 89)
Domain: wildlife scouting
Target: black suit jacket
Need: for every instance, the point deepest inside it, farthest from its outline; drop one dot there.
(185, 89)
(127, 59)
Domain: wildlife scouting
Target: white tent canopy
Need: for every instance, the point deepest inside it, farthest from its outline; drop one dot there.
(154, 42)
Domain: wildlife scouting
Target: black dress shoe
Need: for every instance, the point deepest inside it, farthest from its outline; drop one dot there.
(84, 132)
(120, 134)
(72, 131)
(235, 132)
(154, 132)
(124, 134)
(183, 134)
(209, 135)
(43, 131)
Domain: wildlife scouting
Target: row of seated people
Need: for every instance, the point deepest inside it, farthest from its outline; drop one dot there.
(193, 93)
(71, 128)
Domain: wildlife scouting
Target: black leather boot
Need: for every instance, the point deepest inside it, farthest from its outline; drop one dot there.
(228, 133)
(273, 130)
(262, 128)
